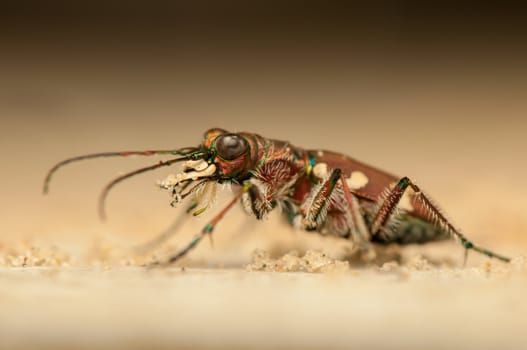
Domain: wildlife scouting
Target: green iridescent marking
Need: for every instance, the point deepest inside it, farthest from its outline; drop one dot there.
(403, 183)
(335, 177)
(310, 164)
(208, 228)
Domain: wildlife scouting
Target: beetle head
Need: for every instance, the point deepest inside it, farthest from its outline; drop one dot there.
(221, 156)
(229, 152)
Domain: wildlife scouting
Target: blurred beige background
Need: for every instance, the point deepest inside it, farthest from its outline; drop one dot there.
(436, 92)
(433, 90)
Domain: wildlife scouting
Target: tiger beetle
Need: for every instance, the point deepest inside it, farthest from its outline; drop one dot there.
(321, 191)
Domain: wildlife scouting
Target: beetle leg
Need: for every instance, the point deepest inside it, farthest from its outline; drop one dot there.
(394, 197)
(272, 182)
(173, 228)
(315, 208)
(207, 230)
(326, 204)
(167, 233)
(359, 231)
(255, 201)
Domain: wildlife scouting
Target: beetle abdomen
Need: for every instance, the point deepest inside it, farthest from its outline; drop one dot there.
(410, 229)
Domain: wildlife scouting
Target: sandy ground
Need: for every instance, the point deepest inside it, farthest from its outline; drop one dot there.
(198, 308)
(306, 301)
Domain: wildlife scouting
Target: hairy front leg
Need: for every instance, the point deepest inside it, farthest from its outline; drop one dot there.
(271, 184)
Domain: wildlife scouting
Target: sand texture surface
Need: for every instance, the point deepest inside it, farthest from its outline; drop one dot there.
(302, 301)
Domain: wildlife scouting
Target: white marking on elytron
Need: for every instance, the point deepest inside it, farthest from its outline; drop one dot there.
(320, 170)
(405, 203)
(174, 180)
(357, 180)
(320, 154)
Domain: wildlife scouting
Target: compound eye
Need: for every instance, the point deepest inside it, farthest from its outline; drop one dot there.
(231, 146)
